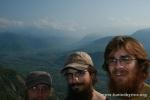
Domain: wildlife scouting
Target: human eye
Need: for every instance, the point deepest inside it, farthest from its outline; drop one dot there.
(80, 73)
(68, 75)
(112, 60)
(45, 87)
(126, 59)
(34, 88)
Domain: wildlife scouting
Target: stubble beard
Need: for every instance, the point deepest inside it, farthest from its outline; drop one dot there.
(85, 94)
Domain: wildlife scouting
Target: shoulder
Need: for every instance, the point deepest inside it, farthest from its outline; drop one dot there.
(146, 88)
(147, 85)
(98, 96)
(146, 91)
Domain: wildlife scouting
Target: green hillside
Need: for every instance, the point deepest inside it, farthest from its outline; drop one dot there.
(11, 85)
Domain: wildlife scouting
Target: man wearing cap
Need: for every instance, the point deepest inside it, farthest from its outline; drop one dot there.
(80, 74)
(38, 86)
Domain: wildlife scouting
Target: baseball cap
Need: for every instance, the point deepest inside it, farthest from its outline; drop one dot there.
(38, 77)
(78, 60)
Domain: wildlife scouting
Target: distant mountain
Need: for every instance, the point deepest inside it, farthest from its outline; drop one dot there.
(14, 42)
(86, 40)
(23, 51)
(143, 36)
(22, 42)
(46, 49)
(97, 45)
(89, 38)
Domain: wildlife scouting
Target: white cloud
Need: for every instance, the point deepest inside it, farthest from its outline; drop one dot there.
(43, 24)
(128, 25)
(129, 22)
(47, 23)
(6, 23)
(110, 25)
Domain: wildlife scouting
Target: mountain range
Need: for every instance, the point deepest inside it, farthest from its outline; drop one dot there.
(45, 49)
(100, 43)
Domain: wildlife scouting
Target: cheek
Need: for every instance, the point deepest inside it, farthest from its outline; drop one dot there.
(132, 67)
(47, 94)
(69, 81)
(87, 79)
(31, 95)
(110, 69)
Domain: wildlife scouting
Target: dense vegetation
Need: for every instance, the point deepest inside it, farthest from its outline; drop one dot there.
(11, 85)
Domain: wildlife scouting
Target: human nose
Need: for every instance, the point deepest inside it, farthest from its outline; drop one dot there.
(40, 91)
(119, 63)
(74, 79)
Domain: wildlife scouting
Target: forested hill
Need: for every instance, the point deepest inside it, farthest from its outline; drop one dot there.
(11, 85)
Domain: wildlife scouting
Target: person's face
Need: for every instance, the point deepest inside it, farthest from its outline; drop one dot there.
(78, 80)
(39, 92)
(122, 66)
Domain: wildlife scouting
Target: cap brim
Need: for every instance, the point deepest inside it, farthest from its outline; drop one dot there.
(39, 82)
(76, 66)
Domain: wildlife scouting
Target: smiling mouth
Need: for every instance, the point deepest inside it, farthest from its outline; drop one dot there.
(119, 73)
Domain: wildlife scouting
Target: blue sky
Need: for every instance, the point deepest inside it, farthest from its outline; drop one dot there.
(80, 16)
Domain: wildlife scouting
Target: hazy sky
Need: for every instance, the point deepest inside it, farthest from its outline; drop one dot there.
(81, 16)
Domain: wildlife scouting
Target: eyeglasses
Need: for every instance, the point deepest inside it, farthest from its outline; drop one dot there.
(123, 60)
(78, 73)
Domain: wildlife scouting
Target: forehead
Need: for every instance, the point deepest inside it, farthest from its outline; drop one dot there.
(119, 52)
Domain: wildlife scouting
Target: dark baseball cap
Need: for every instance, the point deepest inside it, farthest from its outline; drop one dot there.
(38, 77)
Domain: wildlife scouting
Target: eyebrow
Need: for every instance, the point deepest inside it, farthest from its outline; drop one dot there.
(121, 56)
